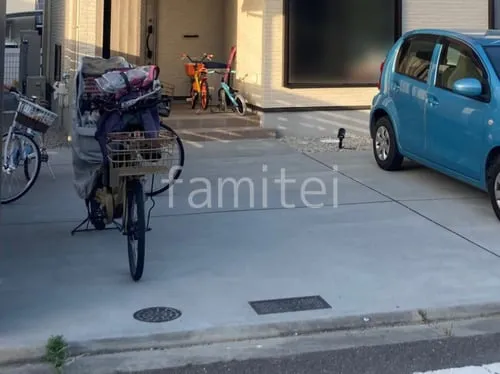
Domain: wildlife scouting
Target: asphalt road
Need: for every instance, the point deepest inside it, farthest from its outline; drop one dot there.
(406, 358)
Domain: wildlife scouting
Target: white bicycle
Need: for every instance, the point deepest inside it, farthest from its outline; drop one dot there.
(22, 157)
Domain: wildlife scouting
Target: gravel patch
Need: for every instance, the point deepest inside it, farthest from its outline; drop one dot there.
(328, 144)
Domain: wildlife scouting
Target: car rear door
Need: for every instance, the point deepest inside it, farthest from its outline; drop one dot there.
(457, 124)
(409, 86)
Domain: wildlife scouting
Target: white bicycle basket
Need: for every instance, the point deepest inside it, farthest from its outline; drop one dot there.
(34, 116)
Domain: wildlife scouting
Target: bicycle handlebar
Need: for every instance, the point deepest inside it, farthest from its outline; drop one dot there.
(203, 59)
(220, 72)
(35, 99)
(108, 105)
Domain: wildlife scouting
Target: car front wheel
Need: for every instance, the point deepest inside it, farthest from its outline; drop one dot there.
(494, 186)
(385, 148)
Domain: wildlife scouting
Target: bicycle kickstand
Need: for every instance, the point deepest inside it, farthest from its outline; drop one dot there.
(50, 170)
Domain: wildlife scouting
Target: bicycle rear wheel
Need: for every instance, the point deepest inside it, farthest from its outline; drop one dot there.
(158, 183)
(135, 227)
(14, 166)
(241, 108)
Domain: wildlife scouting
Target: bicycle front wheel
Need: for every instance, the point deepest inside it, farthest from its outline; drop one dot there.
(158, 183)
(21, 164)
(204, 95)
(135, 227)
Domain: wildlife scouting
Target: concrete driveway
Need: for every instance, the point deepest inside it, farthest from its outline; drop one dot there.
(381, 243)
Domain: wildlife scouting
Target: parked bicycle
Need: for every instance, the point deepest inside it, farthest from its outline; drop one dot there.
(196, 70)
(129, 156)
(230, 97)
(20, 146)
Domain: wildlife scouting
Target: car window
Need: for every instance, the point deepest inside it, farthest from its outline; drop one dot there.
(456, 62)
(493, 53)
(415, 58)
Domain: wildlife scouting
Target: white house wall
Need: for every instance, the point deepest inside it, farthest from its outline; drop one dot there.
(445, 14)
(450, 14)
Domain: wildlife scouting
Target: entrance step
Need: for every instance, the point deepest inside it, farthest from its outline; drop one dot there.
(225, 133)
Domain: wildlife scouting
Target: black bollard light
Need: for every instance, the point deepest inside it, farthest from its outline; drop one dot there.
(341, 137)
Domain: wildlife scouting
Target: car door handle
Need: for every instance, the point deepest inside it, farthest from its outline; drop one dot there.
(432, 101)
(395, 86)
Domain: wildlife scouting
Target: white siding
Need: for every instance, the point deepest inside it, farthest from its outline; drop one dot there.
(445, 14)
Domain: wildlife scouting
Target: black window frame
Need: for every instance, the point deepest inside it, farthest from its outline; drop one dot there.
(106, 29)
(445, 43)
(398, 17)
(57, 62)
(430, 37)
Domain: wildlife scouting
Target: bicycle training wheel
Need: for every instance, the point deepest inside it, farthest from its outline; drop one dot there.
(21, 150)
(135, 226)
(204, 95)
(158, 183)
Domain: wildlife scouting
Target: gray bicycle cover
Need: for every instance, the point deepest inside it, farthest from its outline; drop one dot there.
(87, 155)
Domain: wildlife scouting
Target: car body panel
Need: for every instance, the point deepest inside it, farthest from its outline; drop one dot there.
(456, 134)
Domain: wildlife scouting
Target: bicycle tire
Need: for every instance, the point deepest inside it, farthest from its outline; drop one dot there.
(26, 165)
(221, 94)
(204, 95)
(194, 97)
(180, 146)
(32, 181)
(241, 108)
(136, 231)
(26, 171)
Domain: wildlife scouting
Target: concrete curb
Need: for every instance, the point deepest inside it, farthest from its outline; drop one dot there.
(251, 332)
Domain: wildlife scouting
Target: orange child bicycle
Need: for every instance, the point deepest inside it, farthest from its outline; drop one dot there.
(196, 70)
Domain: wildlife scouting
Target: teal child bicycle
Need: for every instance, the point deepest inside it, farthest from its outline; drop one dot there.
(230, 98)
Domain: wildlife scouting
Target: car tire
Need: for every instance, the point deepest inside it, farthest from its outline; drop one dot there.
(494, 186)
(385, 147)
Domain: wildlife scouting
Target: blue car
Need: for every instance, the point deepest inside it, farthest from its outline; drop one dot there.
(439, 105)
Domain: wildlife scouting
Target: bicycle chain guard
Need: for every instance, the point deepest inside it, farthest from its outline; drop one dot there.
(110, 203)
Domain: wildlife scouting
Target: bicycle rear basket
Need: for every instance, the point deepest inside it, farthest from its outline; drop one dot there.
(135, 154)
(34, 116)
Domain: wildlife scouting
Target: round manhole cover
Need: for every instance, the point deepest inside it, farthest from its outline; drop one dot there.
(157, 314)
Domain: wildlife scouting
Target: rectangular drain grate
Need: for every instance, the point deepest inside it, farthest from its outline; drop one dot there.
(294, 304)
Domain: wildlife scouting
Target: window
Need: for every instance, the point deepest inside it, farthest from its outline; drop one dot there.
(57, 62)
(338, 43)
(415, 57)
(457, 62)
(493, 53)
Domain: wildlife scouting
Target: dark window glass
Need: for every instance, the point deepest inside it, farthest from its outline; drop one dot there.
(338, 42)
(415, 57)
(493, 53)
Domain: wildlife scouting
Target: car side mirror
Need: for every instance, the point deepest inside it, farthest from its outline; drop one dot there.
(469, 87)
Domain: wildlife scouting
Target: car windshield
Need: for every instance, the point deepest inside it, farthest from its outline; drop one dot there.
(493, 53)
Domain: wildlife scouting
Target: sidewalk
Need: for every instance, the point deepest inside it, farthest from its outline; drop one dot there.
(384, 243)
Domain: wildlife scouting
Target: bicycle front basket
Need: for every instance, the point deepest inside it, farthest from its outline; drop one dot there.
(34, 116)
(136, 154)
